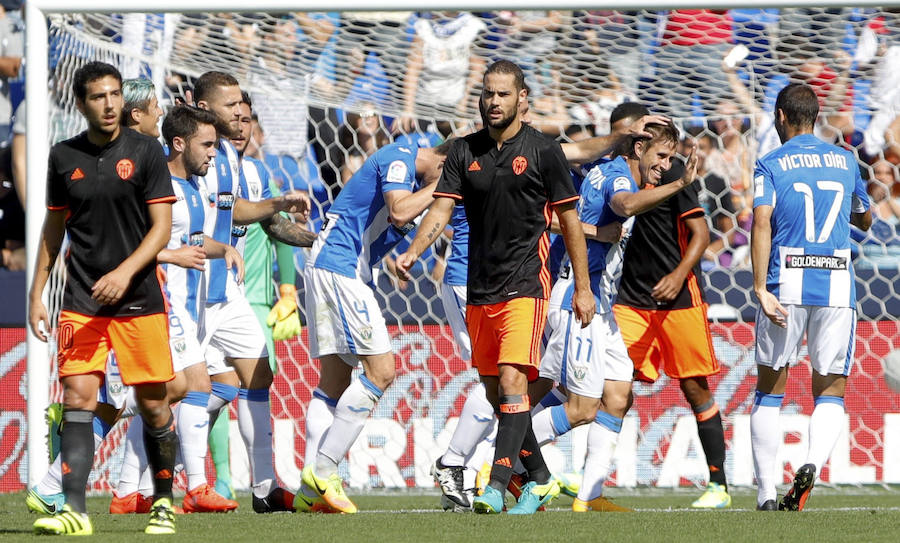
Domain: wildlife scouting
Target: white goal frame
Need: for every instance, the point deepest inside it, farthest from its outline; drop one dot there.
(38, 147)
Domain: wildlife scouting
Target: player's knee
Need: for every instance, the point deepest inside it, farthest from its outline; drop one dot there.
(582, 413)
(512, 382)
(381, 377)
(617, 400)
(696, 390)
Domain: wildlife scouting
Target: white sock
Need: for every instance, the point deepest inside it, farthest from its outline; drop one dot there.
(554, 397)
(52, 481)
(475, 422)
(319, 417)
(825, 426)
(765, 438)
(603, 434)
(192, 426)
(550, 423)
(255, 424)
(134, 462)
(353, 408)
(220, 396)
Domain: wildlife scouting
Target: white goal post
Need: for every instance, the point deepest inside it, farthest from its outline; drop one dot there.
(38, 111)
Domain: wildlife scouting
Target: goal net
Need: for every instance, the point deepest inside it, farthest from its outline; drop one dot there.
(330, 88)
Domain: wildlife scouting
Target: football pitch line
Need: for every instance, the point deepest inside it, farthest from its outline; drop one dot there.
(646, 510)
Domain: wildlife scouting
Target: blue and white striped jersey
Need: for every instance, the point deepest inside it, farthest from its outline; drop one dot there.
(603, 181)
(221, 182)
(358, 232)
(813, 187)
(188, 214)
(457, 271)
(254, 187)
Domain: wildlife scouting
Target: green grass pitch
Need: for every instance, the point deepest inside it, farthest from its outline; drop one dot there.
(844, 514)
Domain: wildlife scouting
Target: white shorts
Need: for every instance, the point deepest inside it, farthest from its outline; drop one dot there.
(830, 338)
(453, 298)
(343, 317)
(581, 359)
(215, 361)
(233, 328)
(183, 340)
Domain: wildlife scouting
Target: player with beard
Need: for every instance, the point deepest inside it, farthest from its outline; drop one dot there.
(509, 176)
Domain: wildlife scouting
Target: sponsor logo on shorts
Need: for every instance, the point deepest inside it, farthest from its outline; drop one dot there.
(820, 262)
(366, 332)
(579, 372)
(179, 345)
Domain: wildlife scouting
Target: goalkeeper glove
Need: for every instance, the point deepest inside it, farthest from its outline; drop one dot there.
(283, 317)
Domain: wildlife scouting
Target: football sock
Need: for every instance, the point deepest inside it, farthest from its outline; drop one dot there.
(161, 444)
(51, 483)
(192, 426)
(77, 451)
(603, 434)
(134, 462)
(350, 414)
(765, 437)
(825, 426)
(218, 446)
(550, 423)
(220, 396)
(255, 424)
(474, 424)
(130, 409)
(712, 438)
(531, 457)
(515, 420)
(554, 397)
(319, 417)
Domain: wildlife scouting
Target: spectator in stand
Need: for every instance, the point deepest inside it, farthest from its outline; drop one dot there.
(763, 121)
(733, 154)
(531, 39)
(12, 49)
(601, 34)
(360, 137)
(883, 131)
(689, 77)
(381, 39)
(719, 201)
(596, 93)
(444, 65)
(885, 192)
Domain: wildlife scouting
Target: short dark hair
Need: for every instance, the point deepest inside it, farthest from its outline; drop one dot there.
(92, 71)
(207, 83)
(799, 103)
(183, 121)
(506, 67)
(628, 110)
(245, 98)
(443, 148)
(659, 133)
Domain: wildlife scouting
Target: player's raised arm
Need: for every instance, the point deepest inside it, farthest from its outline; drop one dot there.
(622, 132)
(429, 231)
(655, 159)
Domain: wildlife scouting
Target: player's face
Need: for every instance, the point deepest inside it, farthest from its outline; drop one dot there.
(226, 102)
(256, 140)
(245, 127)
(656, 160)
(200, 149)
(102, 105)
(500, 101)
(149, 123)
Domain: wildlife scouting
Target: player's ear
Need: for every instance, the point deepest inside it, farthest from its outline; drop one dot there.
(178, 144)
(638, 148)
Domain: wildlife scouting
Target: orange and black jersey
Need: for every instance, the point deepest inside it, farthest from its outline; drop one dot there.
(658, 240)
(508, 194)
(106, 192)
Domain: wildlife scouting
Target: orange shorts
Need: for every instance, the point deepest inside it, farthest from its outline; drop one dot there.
(679, 340)
(141, 345)
(507, 333)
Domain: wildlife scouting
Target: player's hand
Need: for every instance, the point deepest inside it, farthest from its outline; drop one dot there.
(610, 233)
(404, 124)
(584, 306)
(294, 202)
(690, 166)
(772, 308)
(188, 256)
(283, 317)
(391, 265)
(110, 288)
(38, 316)
(636, 129)
(668, 287)
(403, 264)
(233, 260)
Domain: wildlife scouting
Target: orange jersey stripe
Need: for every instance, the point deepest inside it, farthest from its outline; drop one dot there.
(447, 195)
(543, 253)
(695, 211)
(692, 284)
(161, 278)
(708, 414)
(163, 200)
(56, 208)
(565, 200)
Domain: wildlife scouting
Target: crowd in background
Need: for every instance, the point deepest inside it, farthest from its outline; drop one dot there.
(331, 88)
